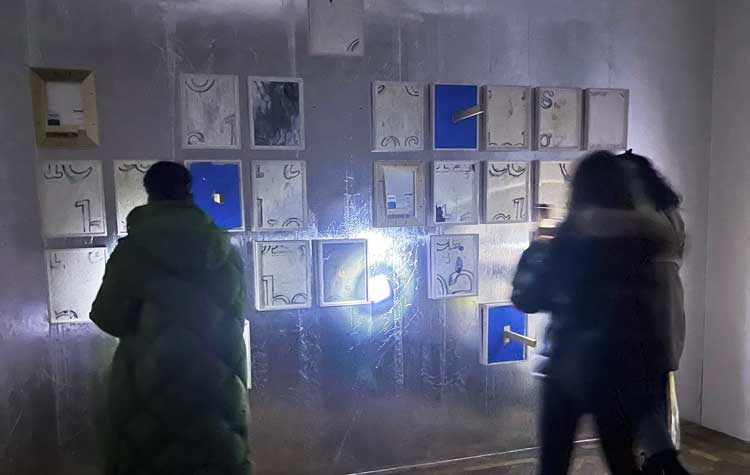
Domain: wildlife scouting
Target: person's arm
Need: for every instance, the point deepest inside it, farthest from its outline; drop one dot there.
(531, 290)
(644, 223)
(118, 302)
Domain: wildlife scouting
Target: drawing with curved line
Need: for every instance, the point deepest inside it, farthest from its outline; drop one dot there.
(353, 46)
(381, 89)
(58, 173)
(76, 176)
(200, 88)
(290, 172)
(449, 245)
(127, 167)
(411, 141)
(415, 92)
(194, 138)
(391, 141)
(66, 315)
(292, 222)
(299, 298)
(501, 217)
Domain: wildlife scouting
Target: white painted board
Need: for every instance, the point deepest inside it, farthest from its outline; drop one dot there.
(210, 108)
(507, 117)
(72, 198)
(506, 192)
(65, 104)
(279, 190)
(455, 192)
(398, 113)
(453, 266)
(336, 27)
(74, 277)
(553, 186)
(283, 277)
(129, 190)
(342, 272)
(559, 118)
(606, 119)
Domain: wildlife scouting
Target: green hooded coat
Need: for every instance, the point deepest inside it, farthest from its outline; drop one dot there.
(173, 293)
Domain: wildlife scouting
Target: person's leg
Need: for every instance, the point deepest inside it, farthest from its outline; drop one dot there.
(615, 431)
(653, 432)
(559, 420)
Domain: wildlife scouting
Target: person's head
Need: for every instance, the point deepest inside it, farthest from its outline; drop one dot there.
(601, 180)
(167, 181)
(655, 187)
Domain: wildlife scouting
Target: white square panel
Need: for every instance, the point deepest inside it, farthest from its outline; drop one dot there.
(74, 277)
(210, 106)
(129, 190)
(559, 116)
(398, 113)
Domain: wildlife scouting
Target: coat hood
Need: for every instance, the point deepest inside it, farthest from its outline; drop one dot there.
(179, 236)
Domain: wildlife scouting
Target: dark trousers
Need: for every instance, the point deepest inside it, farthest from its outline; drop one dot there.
(563, 406)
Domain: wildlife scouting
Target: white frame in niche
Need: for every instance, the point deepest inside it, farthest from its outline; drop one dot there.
(475, 192)
(623, 144)
(382, 220)
(254, 226)
(557, 213)
(319, 244)
(538, 98)
(431, 291)
(262, 306)
(120, 189)
(301, 85)
(377, 142)
(49, 255)
(489, 117)
(318, 46)
(486, 191)
(243, 227)
(185, 134)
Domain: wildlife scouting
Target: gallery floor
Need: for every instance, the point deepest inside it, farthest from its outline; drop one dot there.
(703, 452)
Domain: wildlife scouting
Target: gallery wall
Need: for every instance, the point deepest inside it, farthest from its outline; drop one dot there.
(335, 390)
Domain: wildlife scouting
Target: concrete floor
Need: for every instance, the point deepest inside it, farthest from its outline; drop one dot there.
(703, 452)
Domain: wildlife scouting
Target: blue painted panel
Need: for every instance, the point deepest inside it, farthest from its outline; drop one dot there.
(497, 318)
(450, 99)
(222, 178)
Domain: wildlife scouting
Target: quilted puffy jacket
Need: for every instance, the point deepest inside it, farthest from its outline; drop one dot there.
(173, 294)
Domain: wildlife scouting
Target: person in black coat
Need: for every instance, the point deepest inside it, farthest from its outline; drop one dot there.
(595, 285)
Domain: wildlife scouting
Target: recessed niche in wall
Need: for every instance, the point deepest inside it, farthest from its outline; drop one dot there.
(279, 191)
(74, 277)
(507, 117)
(129, 190)
(283, 275)
(277, 113)
(559, 117)
(455, 192)
(64, 107)
(506, 192)
(553, 186)
(342, 272)
(336, 27)
(606, 119)
(397, 116)
(399, 196)
(210, 111)
(453, 267)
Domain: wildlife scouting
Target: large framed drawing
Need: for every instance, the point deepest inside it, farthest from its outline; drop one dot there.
(65, 112)
(73, 277)
(453, 267)
(496, 319)
(129, 190)
(455, 192)
(559, 117)
(336, 27)
(507, 117)
(399, 193)
(210, 107)
(606, 119)
(397, 116)
(507, 189)
(282, 275)
(342, 272)
(217, 190)
(279, 193)
(72, 199)
(553, 186)
(447, 100)
(277, 113)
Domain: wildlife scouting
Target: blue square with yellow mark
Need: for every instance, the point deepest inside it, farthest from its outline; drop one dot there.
(494, 320)
(217, 190)
(449, 99)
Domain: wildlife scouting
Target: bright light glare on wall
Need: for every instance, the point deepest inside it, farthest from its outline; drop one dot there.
(380, 288)
(378, 246)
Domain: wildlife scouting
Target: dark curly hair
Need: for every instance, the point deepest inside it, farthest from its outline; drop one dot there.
(601, 179)
(167, 181)
(655, 185)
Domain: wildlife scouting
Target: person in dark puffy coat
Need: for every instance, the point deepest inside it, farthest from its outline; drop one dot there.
(173, 293)
(597, 286)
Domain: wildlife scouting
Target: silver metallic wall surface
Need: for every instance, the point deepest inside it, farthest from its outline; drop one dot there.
(347, 389)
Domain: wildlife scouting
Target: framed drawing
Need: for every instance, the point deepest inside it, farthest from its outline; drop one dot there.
(447, 100)
(72, 199)
(283, 275)
(507, 117)
(453, 266)
(336, 27)
(455, 192)
(217, 190)
(606, 119)
(279, 193)
(210, 108)
(399, 193)
(64, 107)
(507, 186)
(559, 116)
(397, 116)
(496, 319)
(553, 186)
(129, 190)
(73, 277)
(277, 113)
(342, 272)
